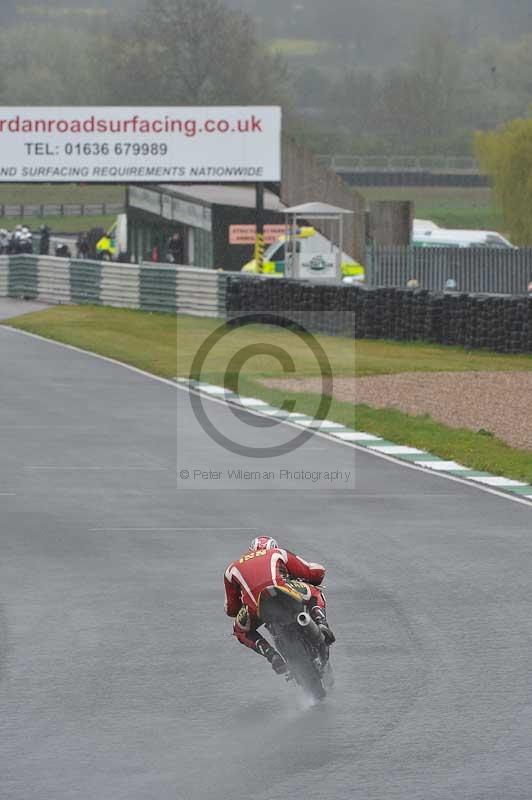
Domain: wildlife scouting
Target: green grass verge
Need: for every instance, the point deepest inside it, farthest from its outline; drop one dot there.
(444, 196)
(59, 225)
(172, 345)
(51, 194)
(472, 449)
(463, 218)
(55, 194)
(446, 206)
(160, 344)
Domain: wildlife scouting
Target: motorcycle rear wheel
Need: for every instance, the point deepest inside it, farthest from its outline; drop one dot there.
(302, 667)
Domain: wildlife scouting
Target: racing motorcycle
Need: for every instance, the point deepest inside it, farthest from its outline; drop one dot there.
(297, 637)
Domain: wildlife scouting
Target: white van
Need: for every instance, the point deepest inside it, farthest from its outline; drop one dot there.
(423, 226)
(444, 237)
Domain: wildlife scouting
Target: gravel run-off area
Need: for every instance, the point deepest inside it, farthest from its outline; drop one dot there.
(498, 402)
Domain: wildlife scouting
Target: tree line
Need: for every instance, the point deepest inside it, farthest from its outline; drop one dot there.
(171, 52)
(202, 51)
(432, 102)
(384, 32)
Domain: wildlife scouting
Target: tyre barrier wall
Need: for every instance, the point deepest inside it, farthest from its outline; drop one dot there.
(187, 290)
(500, 323)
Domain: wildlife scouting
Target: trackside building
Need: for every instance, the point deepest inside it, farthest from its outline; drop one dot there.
(215, 222)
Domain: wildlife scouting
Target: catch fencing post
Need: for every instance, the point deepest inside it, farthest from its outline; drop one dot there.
(259, 238)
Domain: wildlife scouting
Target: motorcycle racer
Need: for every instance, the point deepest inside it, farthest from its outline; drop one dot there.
(265, 565)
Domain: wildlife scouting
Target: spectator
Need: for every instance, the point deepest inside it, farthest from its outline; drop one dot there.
(4, 241)
(44, 244)
(25, 241)
(82, 246)
(175, 249)
(18, 241)
(62, 250)
(93, 237)
(14, 241)
(451, 285)
(413, 283)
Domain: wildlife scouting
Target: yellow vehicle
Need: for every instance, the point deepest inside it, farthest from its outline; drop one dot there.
(309, 242)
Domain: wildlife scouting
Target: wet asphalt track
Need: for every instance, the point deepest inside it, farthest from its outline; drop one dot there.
(118, 677)
(9, 307)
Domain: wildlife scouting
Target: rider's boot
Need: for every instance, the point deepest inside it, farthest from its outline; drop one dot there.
(278, 663)
(320, 618)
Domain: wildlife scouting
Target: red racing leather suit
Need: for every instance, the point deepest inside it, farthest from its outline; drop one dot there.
(254, 572)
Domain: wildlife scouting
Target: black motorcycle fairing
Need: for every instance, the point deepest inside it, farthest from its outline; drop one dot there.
(302, 646)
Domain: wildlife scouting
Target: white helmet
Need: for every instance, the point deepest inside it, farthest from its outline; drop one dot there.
(263, 543)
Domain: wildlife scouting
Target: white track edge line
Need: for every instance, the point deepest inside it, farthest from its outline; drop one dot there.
(186, 388)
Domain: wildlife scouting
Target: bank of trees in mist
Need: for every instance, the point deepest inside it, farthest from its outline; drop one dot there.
(173, 52)
(383, 32)
(432, 102)
(380, 76)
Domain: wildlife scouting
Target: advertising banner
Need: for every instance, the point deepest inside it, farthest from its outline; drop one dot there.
(134, 145)
(247, 234)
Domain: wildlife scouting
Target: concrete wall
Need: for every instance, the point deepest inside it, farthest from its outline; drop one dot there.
(390, 222)
(305, 180)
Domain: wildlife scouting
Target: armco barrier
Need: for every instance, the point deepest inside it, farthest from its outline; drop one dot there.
(53, 280)
(22, 277)
(501, 323)
(150, 287)
(120, 285)
(158, 289)
(4, 272)
(85, 281)
(197, 292)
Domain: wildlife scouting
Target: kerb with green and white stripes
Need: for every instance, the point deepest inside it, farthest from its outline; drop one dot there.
(368, 441)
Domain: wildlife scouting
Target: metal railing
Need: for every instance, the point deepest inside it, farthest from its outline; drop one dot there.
(484, 270)
(445, 164)
(43, 210)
